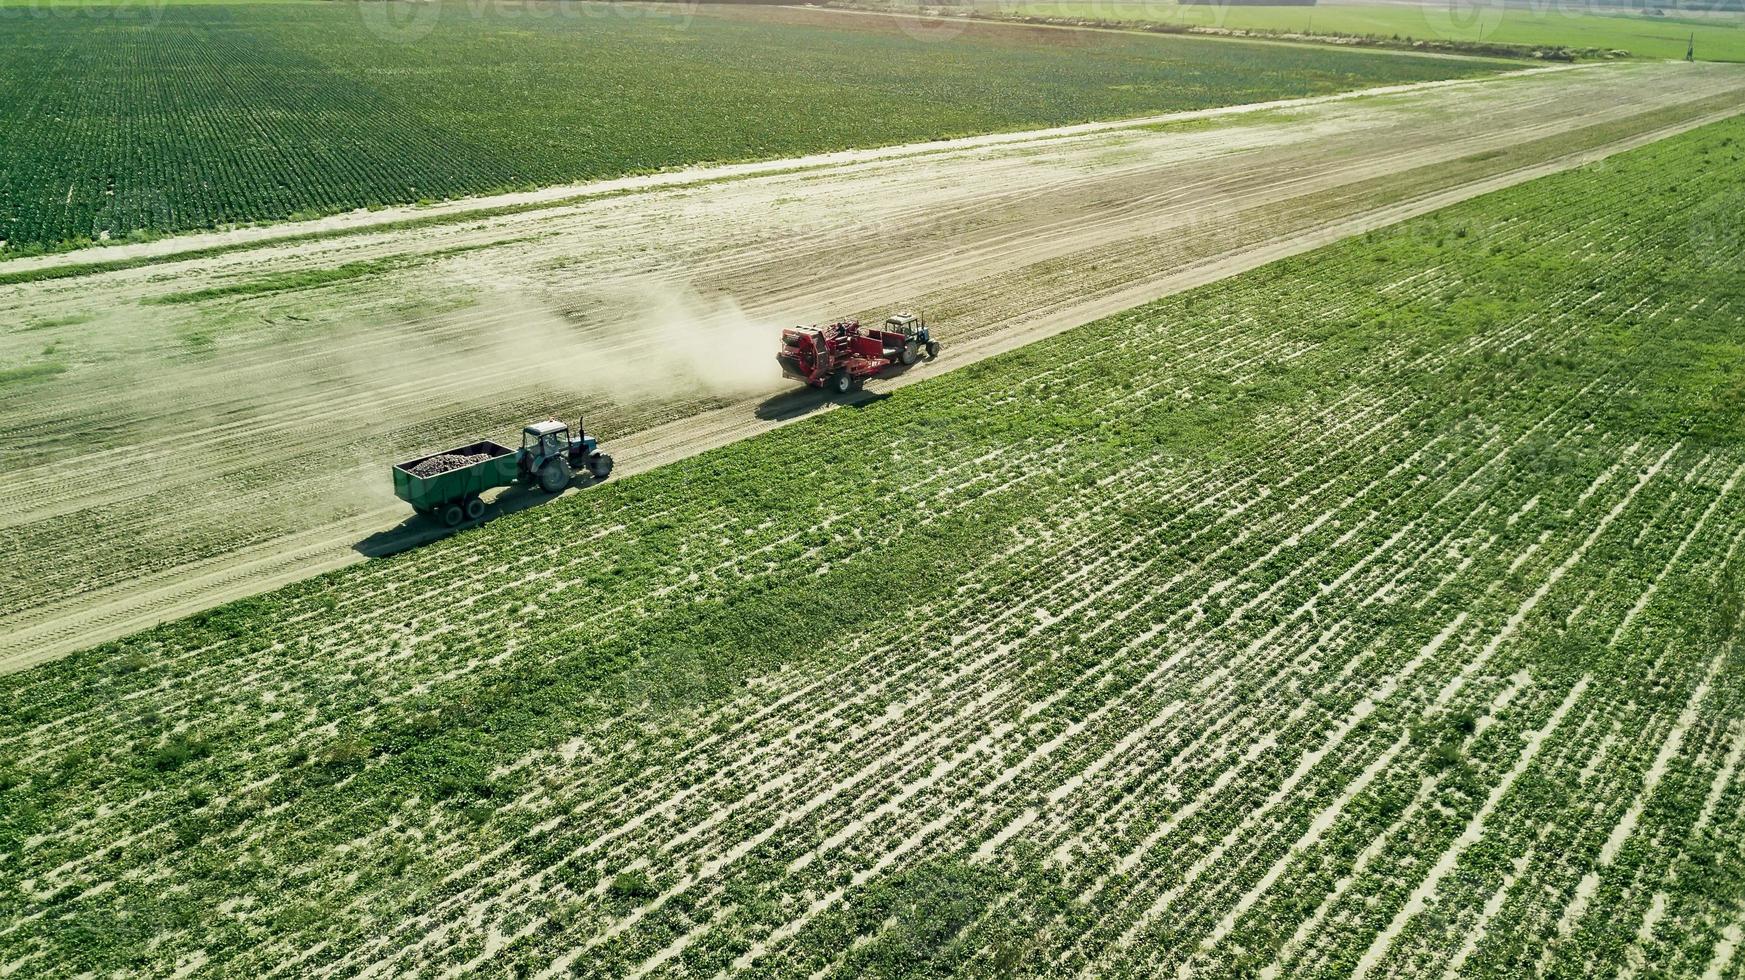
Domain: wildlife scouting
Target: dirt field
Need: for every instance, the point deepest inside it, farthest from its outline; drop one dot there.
(196, 430)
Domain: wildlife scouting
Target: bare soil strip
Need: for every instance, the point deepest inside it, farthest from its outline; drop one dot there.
(195, 451)
(946, 24)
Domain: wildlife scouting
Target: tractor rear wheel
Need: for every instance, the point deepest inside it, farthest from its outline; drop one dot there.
(910, 355)
(842, 382)
(600, 466)
(932, 349)
(452, 515)
(475, 508)
(555, 475)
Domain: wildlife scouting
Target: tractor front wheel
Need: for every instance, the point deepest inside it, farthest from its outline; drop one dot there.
(555, 475)
(600, 466)
(475, 508)
(932, 349)
(452, 515)
(842, 383)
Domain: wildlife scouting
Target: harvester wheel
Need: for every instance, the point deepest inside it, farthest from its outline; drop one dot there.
(842, 382)
(555, 475)
(910, 355)
(475, 508)
(601, 466)
(452, 515)
(932, 349)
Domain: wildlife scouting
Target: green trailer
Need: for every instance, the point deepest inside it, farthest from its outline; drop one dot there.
(452, 495)
(446, 486)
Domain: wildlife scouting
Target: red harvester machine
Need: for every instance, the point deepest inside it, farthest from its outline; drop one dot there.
(841, 356)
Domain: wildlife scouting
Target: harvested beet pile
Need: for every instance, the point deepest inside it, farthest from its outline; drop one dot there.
(446, 462)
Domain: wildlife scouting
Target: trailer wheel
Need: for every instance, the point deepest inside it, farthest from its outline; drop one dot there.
(601, 466)
(842, 382)
(451, 515)
(932, 349)
(910, 355)
(555, 475)
(475, 508)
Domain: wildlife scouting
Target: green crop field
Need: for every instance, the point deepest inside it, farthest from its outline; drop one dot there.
(187, 116)
(1718, 37)
(1374, 613)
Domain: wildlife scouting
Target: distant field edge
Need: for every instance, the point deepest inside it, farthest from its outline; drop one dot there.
(100, 258)
(1499, 31)
(1509, 54)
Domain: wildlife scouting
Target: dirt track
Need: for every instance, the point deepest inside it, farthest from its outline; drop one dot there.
(204, 446)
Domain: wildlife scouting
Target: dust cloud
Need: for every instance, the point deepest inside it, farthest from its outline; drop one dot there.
(336, 400)
(627, 343)
(654, 339)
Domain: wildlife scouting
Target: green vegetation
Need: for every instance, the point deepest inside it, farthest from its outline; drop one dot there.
(313, 278)
(195, 116)
(1377, 607)
(30, 372)
(281, 282)
(49, 323)
(1720, 37)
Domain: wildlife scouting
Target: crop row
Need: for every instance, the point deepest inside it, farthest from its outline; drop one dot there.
(1373, 613)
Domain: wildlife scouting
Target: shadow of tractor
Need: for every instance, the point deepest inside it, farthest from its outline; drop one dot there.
(417, 530)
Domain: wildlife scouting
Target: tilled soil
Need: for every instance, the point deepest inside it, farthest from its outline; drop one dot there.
(259, 425)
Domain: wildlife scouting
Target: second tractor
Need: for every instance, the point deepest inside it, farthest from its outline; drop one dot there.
(449, 490)
(840, 356)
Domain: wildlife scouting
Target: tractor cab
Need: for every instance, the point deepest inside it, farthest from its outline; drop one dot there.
(543, 440)
(910, 326)
(550, 457)
(916, 337)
